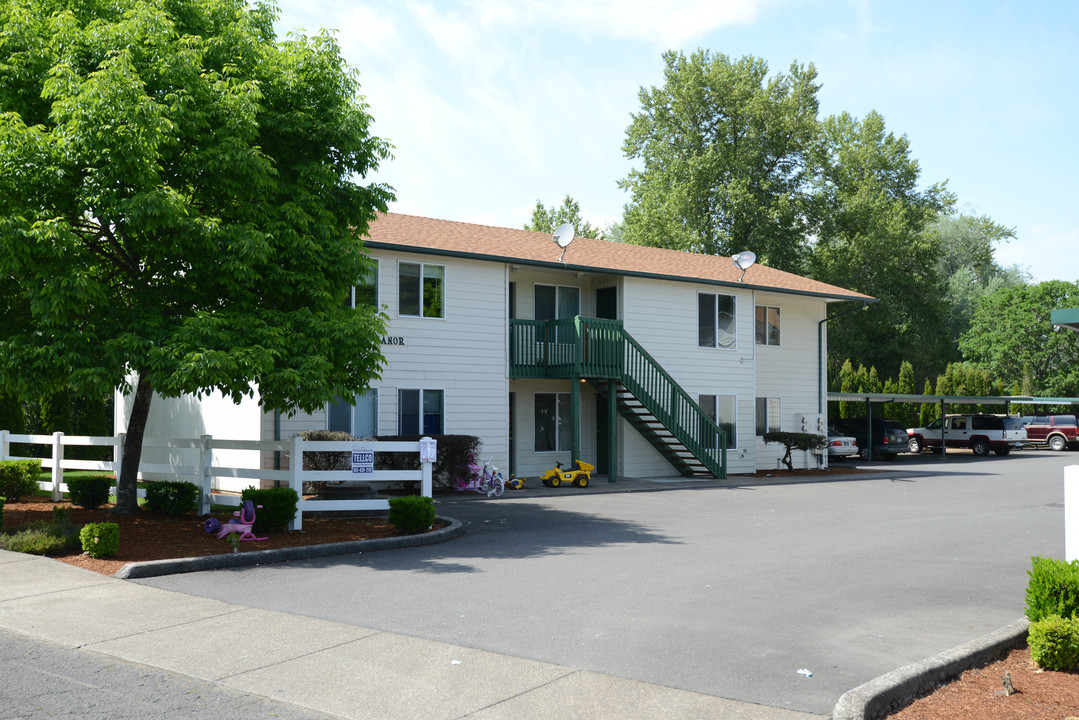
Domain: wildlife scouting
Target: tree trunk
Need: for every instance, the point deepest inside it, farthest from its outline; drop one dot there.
(127, 493)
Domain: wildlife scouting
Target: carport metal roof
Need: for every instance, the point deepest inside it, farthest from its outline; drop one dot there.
(1006, 400)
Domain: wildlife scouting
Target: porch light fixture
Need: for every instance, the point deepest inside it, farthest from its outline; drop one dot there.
(743, 261)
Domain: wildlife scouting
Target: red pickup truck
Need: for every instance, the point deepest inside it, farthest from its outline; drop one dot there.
(1057, 431)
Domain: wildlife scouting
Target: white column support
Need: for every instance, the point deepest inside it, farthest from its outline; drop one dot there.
(4, 444)
(295, 468)
(428, 453)
(57, 465)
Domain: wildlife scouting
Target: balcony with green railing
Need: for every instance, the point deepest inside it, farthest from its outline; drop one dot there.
(597, 349)
(579, 347)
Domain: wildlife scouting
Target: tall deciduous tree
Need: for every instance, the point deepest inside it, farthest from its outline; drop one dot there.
(871, 239)
(179, 201)
(969, 269)
(547, 220)
(1012, 336)
(723, 151)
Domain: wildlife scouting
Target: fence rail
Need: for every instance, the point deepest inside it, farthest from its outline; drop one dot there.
(204, 472)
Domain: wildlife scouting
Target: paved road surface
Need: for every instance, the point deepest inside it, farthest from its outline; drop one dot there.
(727, 590)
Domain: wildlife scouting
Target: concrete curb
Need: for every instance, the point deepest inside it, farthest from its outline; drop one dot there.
(896, 689)
(155, 568)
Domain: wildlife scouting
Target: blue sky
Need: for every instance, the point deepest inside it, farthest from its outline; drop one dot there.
(494, 104)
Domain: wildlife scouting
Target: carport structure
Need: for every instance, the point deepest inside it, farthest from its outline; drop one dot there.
(1007, 401)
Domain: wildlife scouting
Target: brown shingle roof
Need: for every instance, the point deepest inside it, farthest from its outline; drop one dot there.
(410, 233)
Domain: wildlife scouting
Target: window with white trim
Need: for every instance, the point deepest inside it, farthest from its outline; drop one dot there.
(421, 290)
(716, 322)
(359, 419)
(766, 325)
(553, 424)
(723, 411)
(420, 412)
(768, 415)
(365, 291)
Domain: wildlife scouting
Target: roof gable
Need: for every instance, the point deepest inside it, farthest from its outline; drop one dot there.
(410, 233)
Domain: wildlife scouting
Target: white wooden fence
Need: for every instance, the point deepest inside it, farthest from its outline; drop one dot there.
(208, 476)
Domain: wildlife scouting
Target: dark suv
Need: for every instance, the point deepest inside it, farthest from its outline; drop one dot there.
(889, 437)
(1057, 431)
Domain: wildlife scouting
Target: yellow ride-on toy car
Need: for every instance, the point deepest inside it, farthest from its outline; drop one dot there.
(579, 477)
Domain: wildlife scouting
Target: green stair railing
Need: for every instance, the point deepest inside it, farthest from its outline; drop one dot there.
(597, 348)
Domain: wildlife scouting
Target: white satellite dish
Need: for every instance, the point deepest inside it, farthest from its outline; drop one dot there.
(743, 261)
(563, 235)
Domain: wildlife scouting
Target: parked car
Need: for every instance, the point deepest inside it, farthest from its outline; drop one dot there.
(1057, 431)
(889, 438)
(981, 433)
(840, 445)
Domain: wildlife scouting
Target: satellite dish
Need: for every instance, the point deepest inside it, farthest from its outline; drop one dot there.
(563, 235)
(743, 261)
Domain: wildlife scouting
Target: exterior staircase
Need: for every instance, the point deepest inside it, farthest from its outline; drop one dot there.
(600, 350)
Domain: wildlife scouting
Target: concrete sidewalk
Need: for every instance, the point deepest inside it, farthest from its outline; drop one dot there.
(339, 669)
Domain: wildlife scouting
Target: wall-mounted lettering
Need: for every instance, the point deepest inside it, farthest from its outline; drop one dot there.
(388, 340)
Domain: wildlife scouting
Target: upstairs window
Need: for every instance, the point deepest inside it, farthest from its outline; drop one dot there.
(365, 291)
(421, 290)
(766, 325)
(716, 321)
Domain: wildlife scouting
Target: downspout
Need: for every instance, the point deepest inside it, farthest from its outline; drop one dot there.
(820, 352)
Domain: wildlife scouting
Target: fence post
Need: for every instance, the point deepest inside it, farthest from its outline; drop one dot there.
(428, 451)
(57, 465)
(206, 459)
(3, 444)
(295, 479)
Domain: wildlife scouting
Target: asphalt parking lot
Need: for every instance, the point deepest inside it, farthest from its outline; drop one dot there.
(724, 588)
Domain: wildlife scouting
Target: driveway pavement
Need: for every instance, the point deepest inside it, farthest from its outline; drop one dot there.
(727, 589)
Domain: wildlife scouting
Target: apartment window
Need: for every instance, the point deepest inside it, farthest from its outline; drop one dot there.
(715, 321)
(557, 302)
(768, 409)
(554, 426)
(365, 291)
(421, 290)
(420, 412)
(723, 411)
(359, 419)
(766, 326)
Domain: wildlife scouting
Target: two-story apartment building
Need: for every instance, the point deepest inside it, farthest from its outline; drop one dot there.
(642, 361)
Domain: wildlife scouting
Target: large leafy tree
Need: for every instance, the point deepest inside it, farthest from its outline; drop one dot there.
(871, 238)
(1012, 336)
(547, 219)
(723, 150)
(969, 268)
(180, 205)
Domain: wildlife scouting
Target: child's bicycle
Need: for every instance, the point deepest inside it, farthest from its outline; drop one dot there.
(483, 480)
(579, 477)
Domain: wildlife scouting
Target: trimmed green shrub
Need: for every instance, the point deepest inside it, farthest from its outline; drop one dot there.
(1, 512)
(56, 537)
(172, 497)
(412, 514)
(18, 478)
(1054, 643)
(278, 507)
(100, 539)
(89, 491)
(1053, 589)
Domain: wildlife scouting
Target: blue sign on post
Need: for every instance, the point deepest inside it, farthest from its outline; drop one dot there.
(363, 461)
